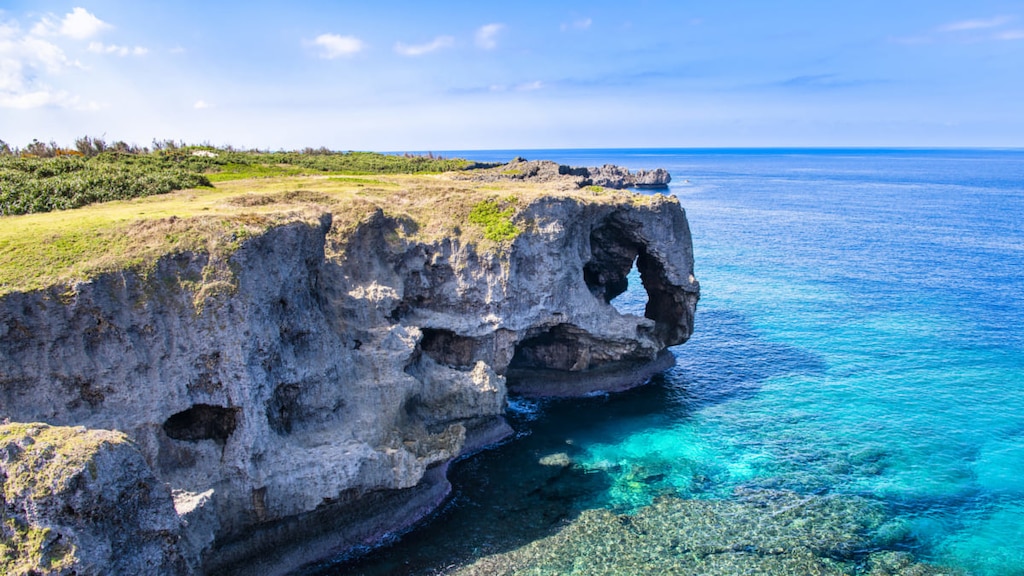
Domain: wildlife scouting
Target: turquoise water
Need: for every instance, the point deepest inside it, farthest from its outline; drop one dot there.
(860, 332)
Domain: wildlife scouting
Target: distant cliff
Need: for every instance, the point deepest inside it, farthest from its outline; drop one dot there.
(304, 394)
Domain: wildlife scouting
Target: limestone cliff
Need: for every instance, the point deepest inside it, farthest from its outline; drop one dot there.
(312, 402)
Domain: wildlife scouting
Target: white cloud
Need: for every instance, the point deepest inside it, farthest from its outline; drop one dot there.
(101, 48)
(487, 36)
(43, 97)
(1011, 35)
(581, 24)
(977, 24)
(201, 105)
(421, 49)
(335, 46)
(79, 24)
(38, 53)
(25, 62)
(530, 86)
(24, 100)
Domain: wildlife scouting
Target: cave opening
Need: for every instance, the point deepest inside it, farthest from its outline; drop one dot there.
(448, 348)
(620, 259)
(558, 348)
(202, 422)
(613, 273)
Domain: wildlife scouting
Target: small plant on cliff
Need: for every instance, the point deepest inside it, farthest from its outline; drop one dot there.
(497, 223)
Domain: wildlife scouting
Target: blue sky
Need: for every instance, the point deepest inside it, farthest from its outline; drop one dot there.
(400, 75)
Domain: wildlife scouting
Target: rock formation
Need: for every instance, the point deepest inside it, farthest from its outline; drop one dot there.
(313, 404)
(79, 501)
(546, 171)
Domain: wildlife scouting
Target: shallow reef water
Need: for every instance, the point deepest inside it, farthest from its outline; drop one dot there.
(851, 402)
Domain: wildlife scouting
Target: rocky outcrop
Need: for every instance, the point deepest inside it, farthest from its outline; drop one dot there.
(79, 501)
(610, 176)
(546, 171)
(312, 403)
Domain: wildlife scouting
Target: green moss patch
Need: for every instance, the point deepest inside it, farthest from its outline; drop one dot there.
(42, 460)
(497, 222)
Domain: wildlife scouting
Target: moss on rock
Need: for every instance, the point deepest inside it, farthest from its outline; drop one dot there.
(79, 501)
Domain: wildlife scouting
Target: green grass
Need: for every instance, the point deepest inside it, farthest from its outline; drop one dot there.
(40, 250)
(497, 223)
(229, 172)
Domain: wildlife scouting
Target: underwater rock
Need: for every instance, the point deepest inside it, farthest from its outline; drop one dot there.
(759, 532)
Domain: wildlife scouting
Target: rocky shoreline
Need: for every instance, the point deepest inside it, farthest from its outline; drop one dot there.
(546, 171)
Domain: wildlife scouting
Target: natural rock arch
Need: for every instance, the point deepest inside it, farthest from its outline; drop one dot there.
(615, 246)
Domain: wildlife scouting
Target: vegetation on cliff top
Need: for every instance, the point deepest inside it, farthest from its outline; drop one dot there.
(497, 222)
(247, 197)
(45, 177)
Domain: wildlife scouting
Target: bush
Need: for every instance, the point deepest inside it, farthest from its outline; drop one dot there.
(30, 185)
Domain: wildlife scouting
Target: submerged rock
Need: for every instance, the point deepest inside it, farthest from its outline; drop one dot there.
(760, 532)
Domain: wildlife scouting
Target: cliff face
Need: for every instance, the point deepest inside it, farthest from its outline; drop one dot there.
(313, 403)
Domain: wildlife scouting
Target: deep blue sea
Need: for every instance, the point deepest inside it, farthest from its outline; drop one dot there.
(860, 332)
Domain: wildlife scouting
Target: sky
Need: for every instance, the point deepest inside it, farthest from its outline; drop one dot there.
(399, 75)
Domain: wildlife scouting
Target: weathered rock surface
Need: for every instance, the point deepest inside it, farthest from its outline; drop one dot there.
(79, 501)
(546, 171)
(315, 404)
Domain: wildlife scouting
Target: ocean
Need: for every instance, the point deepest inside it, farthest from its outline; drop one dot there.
(854, 387)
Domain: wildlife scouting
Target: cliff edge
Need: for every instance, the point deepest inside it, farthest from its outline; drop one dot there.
(303, 381)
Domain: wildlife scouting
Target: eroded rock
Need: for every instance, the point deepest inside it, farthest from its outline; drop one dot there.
(546, 171)
(313, 403)
(79, 501)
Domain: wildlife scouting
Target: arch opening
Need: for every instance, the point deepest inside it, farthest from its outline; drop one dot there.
(619, 259)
